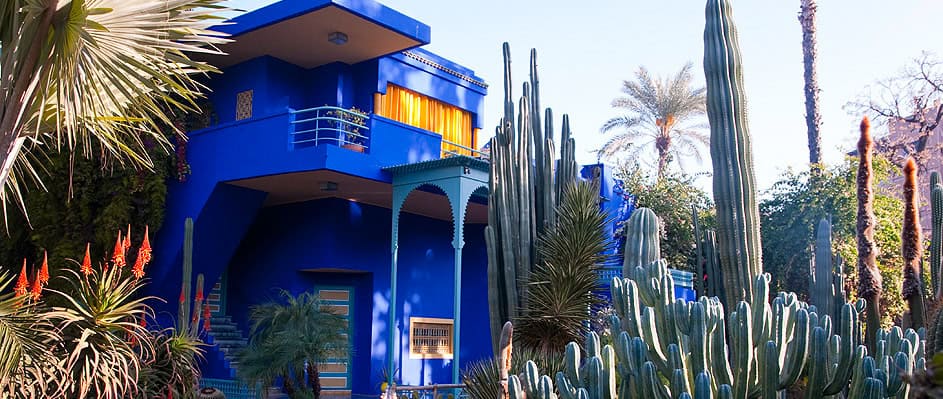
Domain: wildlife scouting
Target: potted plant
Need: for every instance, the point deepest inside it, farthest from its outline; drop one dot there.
(353, 139)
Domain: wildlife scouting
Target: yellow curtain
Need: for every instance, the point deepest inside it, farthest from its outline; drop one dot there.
(414, 109)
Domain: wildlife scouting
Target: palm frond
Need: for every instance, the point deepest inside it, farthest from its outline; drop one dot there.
(98, 74)
(26, 362)
(658, 106)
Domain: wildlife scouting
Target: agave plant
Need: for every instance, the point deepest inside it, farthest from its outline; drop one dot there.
(287, 342)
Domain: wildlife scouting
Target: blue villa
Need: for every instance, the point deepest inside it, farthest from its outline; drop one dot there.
(344, 162)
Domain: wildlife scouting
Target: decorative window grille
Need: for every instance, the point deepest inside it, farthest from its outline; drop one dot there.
(430, 338)
(244, 105)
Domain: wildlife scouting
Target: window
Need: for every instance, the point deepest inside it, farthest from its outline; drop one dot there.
(244, 105)
(452, 123)
(430, 338)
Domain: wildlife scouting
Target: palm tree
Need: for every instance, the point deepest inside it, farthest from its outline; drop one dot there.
(658, 113)
(288, 340)
(95, 76)
(813, 118)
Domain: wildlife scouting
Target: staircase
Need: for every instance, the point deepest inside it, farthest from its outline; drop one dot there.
(228, 340)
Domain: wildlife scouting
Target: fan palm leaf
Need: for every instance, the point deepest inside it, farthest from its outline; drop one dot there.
(96, 75)
(658, 114)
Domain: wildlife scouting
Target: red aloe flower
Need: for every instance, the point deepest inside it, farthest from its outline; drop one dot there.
(143, 322)
(138, 269)
(86, 268)
(43, 276)
(199, 294)
(22, 284)
(182, 298)
(37, 290)
(145, 251)
(127, 240)
(118, 257)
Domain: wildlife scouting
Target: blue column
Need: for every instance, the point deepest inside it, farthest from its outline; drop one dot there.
(399, 196)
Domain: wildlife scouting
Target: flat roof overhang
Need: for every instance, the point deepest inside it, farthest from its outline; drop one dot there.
(296, 31)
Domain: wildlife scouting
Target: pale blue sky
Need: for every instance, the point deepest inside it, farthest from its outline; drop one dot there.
(587, 48)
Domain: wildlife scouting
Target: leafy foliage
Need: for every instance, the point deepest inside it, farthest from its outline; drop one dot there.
(795, 204)
(481, 377)
(671, 198)
(562, 284)
(287, 341)
(659, 114)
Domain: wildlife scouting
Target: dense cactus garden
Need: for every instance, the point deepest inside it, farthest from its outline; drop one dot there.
(739, 340)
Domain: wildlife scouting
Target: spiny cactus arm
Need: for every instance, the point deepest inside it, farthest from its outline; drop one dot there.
(642, 242)
(741, 344)
(720, 367)
(769, 365)
(822, 295)
(912, 247)
(652, 387)
(702, 387)
(183, 313)
(514, 389)
(738, 232)
(699, 256)
(607, 385)
(679, 384)
(504, 359)
(571, 363)
(936, 239)
(846, 342)
(795, 361)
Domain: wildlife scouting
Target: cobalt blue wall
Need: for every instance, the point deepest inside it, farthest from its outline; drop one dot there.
(353, 240)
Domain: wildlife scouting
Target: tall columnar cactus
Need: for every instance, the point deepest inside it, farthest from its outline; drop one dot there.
(827, 283)
(714, 283)
(524, 190)
(822, 281)
(700, 269)
(936, 239)
(869, 277)
(912, 247)
(642, 244)
(738, 222)
(183, 311)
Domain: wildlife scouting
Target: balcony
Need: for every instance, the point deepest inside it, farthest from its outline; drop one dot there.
(353, 130)
(329, 125)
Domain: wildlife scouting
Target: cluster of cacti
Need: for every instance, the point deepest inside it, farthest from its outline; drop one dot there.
(870, 284)
(936, 239)
(738, 222)
(827, 283)
(189, 317)
(912, 248)
(709, 277)
(524, 191)
(669, 348)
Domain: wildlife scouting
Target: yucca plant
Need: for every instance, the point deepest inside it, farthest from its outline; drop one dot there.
(172, 370)
(287, 341)
(562, 285)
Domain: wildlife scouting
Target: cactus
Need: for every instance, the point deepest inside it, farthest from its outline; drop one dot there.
(821, 280)
(738, 223)
(700, 269)
(827, 283)
(183, 311)
(714, 283)
(524, 190)
(668, 348)
(869, 277)
(912, 247)
(936, 238)
(642, 244)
